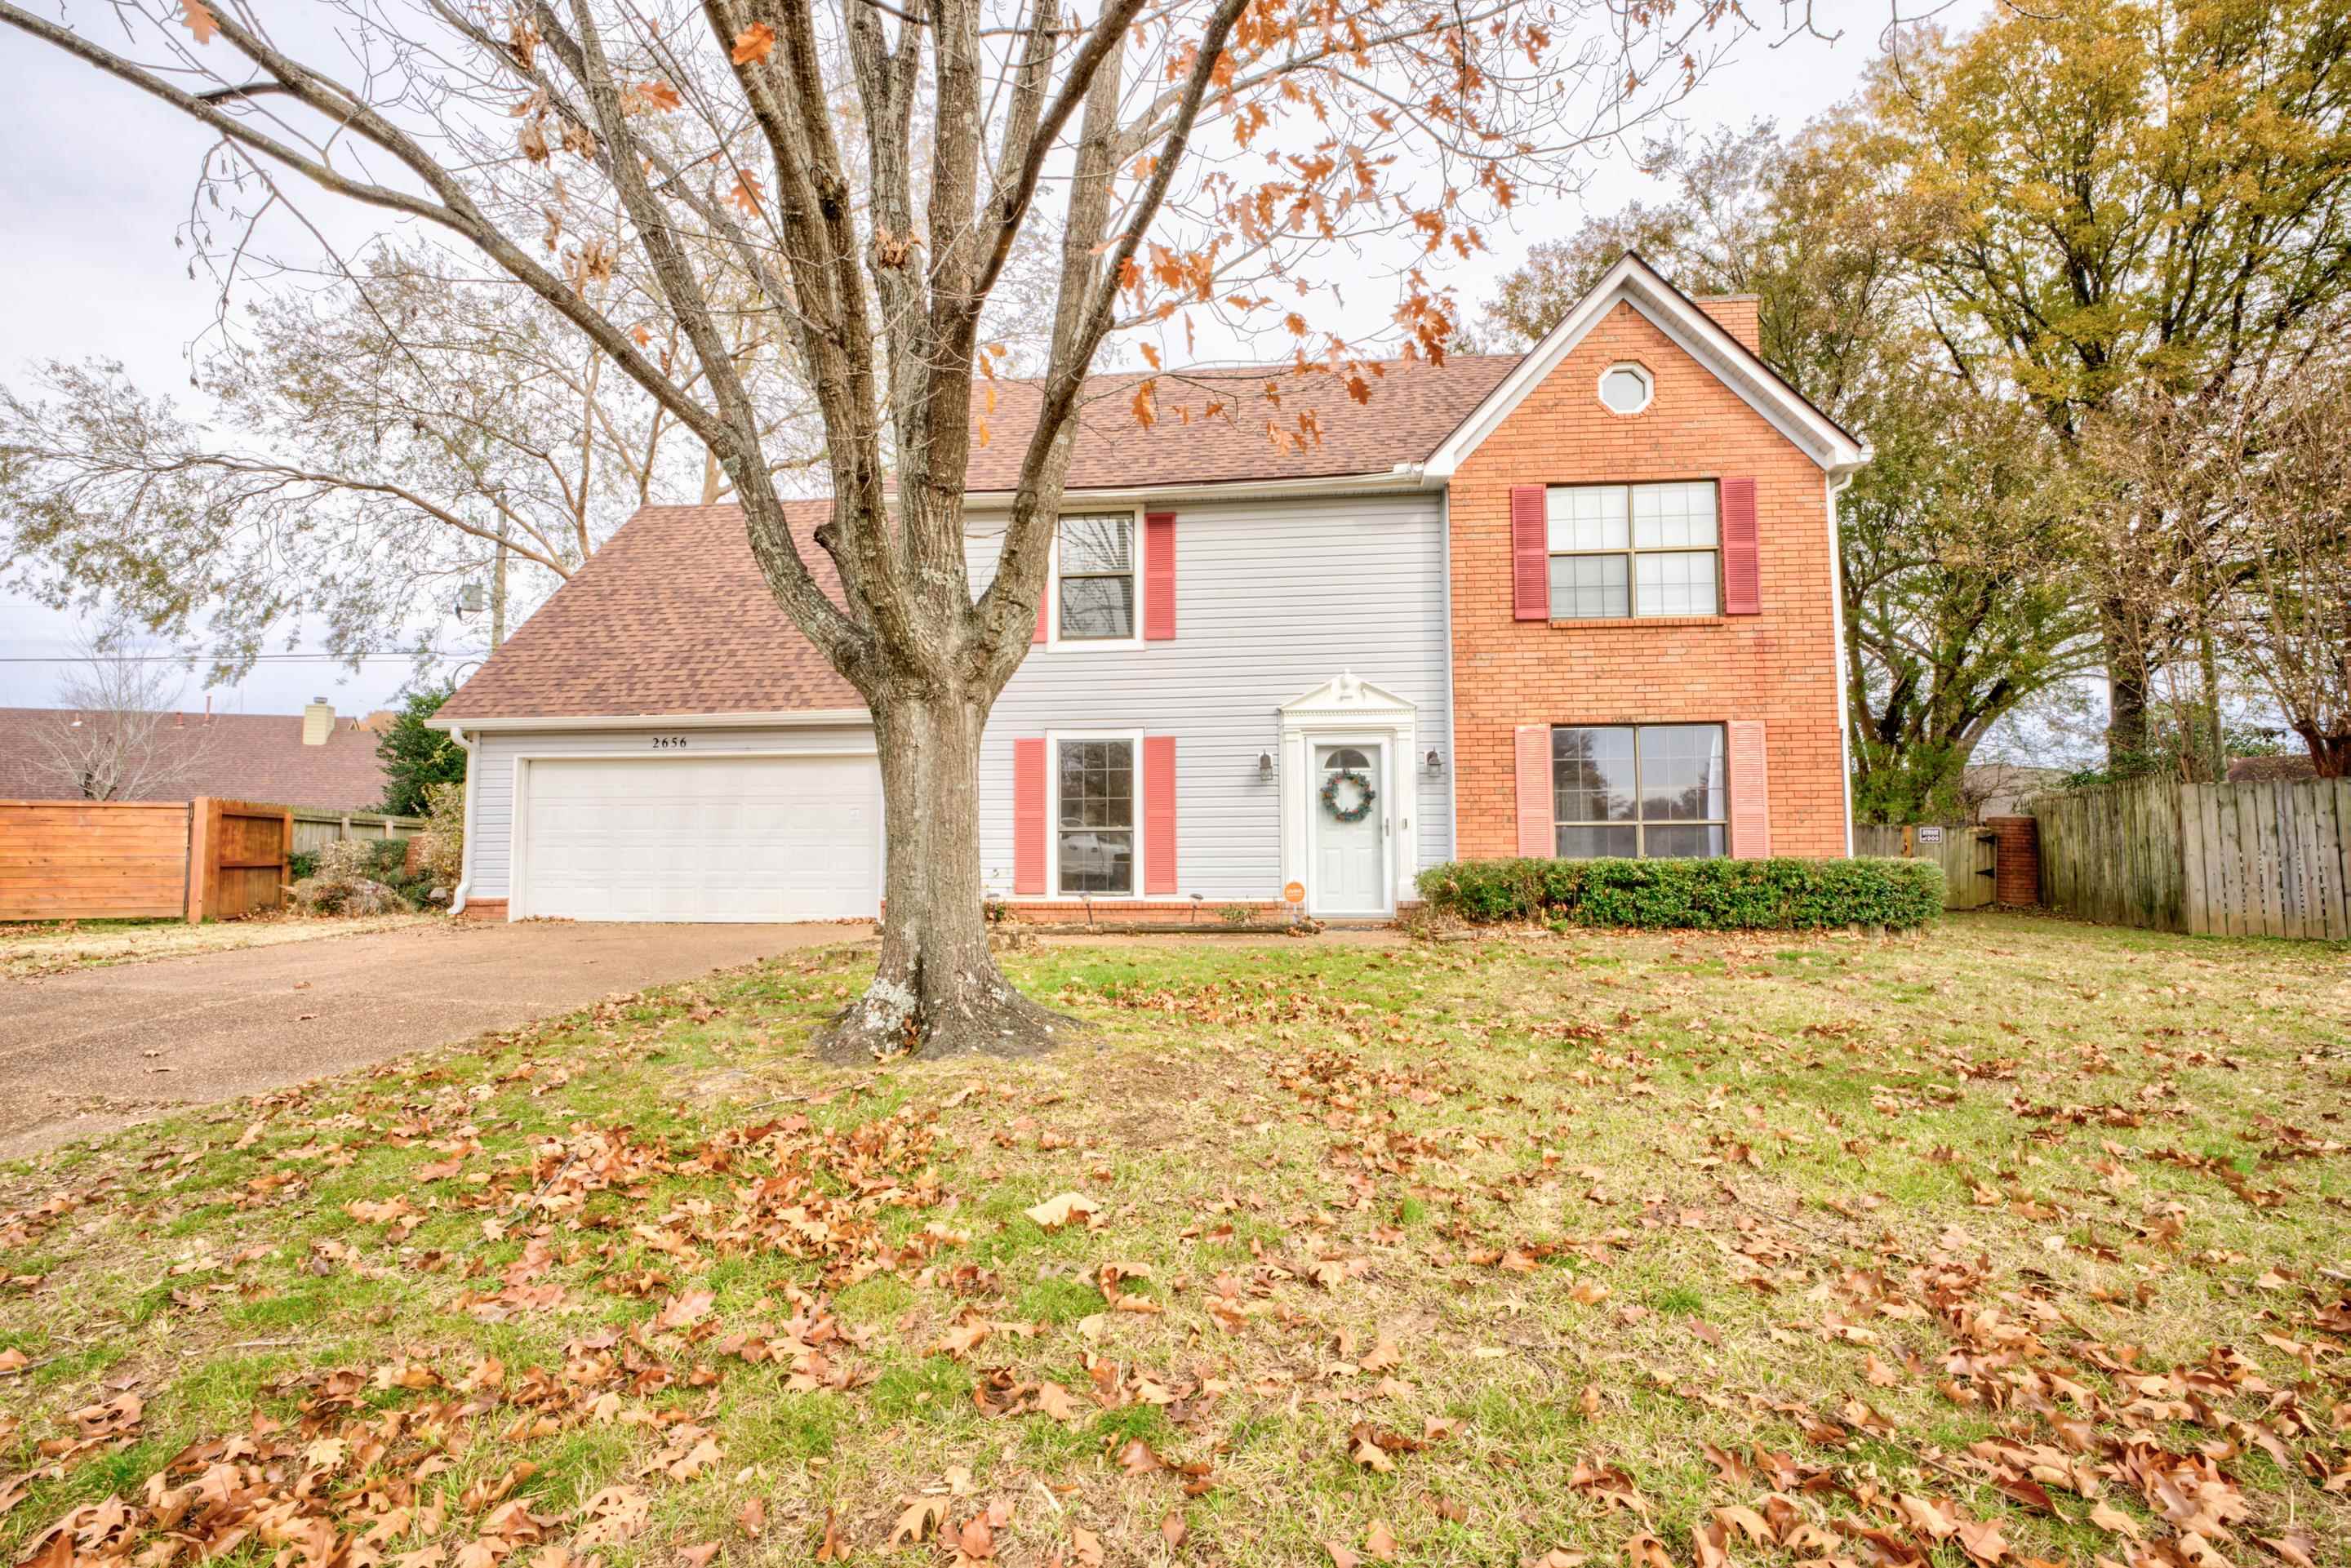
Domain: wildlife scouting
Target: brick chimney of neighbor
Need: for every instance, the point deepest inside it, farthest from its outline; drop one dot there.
(318, 722)
(1741, 315)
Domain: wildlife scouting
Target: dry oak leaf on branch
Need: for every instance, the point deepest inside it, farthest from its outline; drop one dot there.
(754, 44)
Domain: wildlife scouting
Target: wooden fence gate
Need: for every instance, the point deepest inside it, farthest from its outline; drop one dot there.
(93, 860)
(2236, 860)
(1965, 853)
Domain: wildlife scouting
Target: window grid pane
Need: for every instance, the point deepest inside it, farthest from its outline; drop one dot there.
(1094, 836)
(1673, 517)
(1675, 583)
(1656, 791)
(1097, 579)
(1588, 586)
(1632, 550)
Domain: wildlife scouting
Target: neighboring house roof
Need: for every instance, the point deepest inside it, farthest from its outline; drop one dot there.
(672, 616)
(2282, 769)
(241, 756)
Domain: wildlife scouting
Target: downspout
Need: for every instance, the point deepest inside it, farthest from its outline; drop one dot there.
(465, 865)
(1836, 484)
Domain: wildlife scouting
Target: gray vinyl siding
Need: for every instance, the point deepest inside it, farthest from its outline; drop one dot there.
(494, 774)
(1273, 597)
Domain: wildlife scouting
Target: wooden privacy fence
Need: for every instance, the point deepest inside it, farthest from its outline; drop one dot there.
(2236, 860)
(90, 860)
(1964, 852)
(315, 830)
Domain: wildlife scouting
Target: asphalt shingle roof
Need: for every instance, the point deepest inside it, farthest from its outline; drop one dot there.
(241, 756)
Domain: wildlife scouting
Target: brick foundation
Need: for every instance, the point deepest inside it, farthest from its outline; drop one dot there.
(2016, 859)
(1780, 666)
(483, 909)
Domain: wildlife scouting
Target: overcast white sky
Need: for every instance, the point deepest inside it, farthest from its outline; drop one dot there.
(94, 181)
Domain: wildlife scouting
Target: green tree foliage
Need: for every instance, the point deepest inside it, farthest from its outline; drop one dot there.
(416, 758)
(2131, 203)
(1956, 600)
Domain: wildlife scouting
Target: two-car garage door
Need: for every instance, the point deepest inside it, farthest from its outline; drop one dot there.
(699, 838)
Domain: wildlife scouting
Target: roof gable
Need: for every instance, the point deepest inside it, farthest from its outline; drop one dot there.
(1634, 282)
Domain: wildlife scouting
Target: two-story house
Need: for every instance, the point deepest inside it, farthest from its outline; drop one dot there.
(1579, 602)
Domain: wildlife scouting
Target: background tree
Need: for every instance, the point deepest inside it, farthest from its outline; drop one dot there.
(1958, 601)
(117, 734)
(416, 757)
(1202, 159)
(2135, 202)
(386, 438)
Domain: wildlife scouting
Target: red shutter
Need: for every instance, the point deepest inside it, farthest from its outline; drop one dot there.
(1040, 617)
(1530, 554)
(1028, 816)
(1535, 835)
(1742, 574)
(1751, 791)
(1159, 577)
(1159, 813)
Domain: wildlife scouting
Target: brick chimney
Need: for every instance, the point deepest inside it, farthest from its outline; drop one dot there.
(318, 722)
(1741, 315)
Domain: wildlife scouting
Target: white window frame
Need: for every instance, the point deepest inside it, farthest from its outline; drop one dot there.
(1648, 383)
(1639, 824)
(1053, 638)
(1632, 553)
(1054, 739)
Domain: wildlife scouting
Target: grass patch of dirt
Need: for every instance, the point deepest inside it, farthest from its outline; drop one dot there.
(31, 950)
(2011, 1241)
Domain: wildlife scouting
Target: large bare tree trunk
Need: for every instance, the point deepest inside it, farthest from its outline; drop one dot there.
(937, 989)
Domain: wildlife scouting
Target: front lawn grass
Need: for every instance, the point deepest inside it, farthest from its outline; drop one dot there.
(2011, 1239)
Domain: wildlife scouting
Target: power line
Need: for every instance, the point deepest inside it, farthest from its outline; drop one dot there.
(257, 658)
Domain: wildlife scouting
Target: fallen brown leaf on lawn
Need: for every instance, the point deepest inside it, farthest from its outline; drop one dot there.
(921, 1518)
(1056, 1212)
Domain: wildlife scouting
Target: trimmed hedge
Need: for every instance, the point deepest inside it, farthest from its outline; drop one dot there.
(1702, 895)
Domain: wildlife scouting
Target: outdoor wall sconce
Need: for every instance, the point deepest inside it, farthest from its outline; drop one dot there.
(1265, 767)
(1436, 763)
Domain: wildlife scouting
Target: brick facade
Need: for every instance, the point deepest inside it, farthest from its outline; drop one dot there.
(1779, 668)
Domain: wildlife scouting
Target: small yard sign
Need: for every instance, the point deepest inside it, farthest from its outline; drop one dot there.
(1295, 893)
(1930, 835)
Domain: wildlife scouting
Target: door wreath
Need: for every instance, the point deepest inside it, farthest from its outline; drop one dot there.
(1364, 795)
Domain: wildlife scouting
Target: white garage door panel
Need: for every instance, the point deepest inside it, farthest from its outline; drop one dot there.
(702, 838)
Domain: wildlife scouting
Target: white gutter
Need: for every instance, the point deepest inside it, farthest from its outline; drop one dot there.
(766, 718)
(466, 863)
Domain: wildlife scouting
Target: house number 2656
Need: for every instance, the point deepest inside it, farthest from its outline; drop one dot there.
(668, 742)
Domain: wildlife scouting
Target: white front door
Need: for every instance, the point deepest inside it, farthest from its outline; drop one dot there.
(1350, 857)
(701, 838)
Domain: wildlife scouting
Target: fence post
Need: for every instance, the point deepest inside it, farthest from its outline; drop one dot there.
(199, 856)
(2016, 859)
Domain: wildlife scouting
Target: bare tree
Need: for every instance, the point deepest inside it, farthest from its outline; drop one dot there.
(1197, 159)
(2290, 624)
(118, 734)
(372, 444)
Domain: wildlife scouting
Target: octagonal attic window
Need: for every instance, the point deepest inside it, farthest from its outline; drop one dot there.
(1625, 389)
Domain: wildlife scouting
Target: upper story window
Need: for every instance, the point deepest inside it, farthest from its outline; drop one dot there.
(1650, 791)
(1626, 388)
(1094, 579)
(1634, 549)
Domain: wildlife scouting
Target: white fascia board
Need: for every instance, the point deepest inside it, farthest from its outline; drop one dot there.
(1633, 281)
(766, 719)
(1403, 476)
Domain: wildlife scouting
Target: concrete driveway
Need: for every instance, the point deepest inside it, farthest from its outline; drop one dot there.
(88, 1052)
